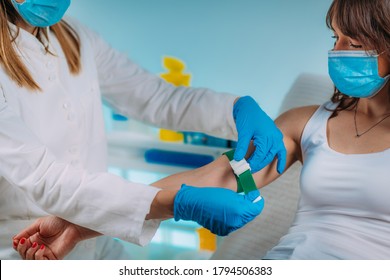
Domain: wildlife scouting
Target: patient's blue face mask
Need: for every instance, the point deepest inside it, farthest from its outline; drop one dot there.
(42, 13)
(355, 73)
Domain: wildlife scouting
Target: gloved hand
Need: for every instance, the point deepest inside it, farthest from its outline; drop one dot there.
(254, 124)
(219, 210)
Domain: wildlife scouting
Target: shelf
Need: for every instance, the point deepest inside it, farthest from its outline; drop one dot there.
(126, 150)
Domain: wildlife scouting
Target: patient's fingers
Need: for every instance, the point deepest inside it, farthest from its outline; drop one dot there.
(29, 231)
(30, 253)
(22, 247)
(44, 254)
(15, 243)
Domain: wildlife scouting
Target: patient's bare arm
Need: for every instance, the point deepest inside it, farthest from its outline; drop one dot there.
(219, 172)
(216, 174)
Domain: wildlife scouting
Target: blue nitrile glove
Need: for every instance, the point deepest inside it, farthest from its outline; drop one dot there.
(219, 210)
(254, 124)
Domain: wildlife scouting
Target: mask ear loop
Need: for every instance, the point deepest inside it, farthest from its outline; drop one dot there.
(382, 52)
(387, 77)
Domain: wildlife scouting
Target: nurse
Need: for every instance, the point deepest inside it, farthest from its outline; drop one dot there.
(54, 74)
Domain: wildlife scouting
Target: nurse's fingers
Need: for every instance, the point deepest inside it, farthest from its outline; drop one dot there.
(242, 147)
(282, 155)
(30, 253)
(258, 160)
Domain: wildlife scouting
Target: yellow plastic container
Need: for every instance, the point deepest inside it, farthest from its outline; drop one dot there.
(207, 240)
(170, 135)
(175, 76)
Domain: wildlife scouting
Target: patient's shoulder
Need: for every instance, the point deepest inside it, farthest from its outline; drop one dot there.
(299, 114)
(304, 112)
(293, 121)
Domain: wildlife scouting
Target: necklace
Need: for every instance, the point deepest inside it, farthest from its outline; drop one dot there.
(364, 132)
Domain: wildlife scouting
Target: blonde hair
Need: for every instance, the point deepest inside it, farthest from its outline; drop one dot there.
(13, 65)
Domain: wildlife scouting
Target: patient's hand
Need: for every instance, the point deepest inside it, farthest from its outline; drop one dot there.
(50, 238)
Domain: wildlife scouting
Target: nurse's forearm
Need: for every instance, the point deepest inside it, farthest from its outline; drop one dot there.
(215, 174)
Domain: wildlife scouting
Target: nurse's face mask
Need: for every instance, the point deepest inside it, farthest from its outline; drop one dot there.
(355, 73)
(42, 13)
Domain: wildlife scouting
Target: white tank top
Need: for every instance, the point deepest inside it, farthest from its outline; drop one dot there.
(344, 208)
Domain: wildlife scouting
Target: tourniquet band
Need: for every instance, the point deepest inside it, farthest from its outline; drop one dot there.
(245, 181)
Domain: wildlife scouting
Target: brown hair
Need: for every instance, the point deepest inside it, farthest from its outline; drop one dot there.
(367, 21)
(13, 66)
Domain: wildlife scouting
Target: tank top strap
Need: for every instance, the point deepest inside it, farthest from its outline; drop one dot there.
(314, 132)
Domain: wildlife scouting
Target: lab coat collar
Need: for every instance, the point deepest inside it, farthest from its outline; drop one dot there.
(26, 40)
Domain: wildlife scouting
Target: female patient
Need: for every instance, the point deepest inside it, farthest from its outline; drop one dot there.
(343, 145)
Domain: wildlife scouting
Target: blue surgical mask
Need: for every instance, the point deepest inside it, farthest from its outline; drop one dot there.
(355, 73)
(42, 13)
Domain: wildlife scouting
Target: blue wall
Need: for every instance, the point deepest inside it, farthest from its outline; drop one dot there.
(253, 47)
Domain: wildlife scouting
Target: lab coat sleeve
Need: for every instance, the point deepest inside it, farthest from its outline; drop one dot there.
(136, 93)
(101, 201)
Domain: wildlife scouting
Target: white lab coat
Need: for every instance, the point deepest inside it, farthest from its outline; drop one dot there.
(53, 145)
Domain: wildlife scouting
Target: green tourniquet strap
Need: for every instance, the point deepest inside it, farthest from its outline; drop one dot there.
(230, 155)
(245, 182)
